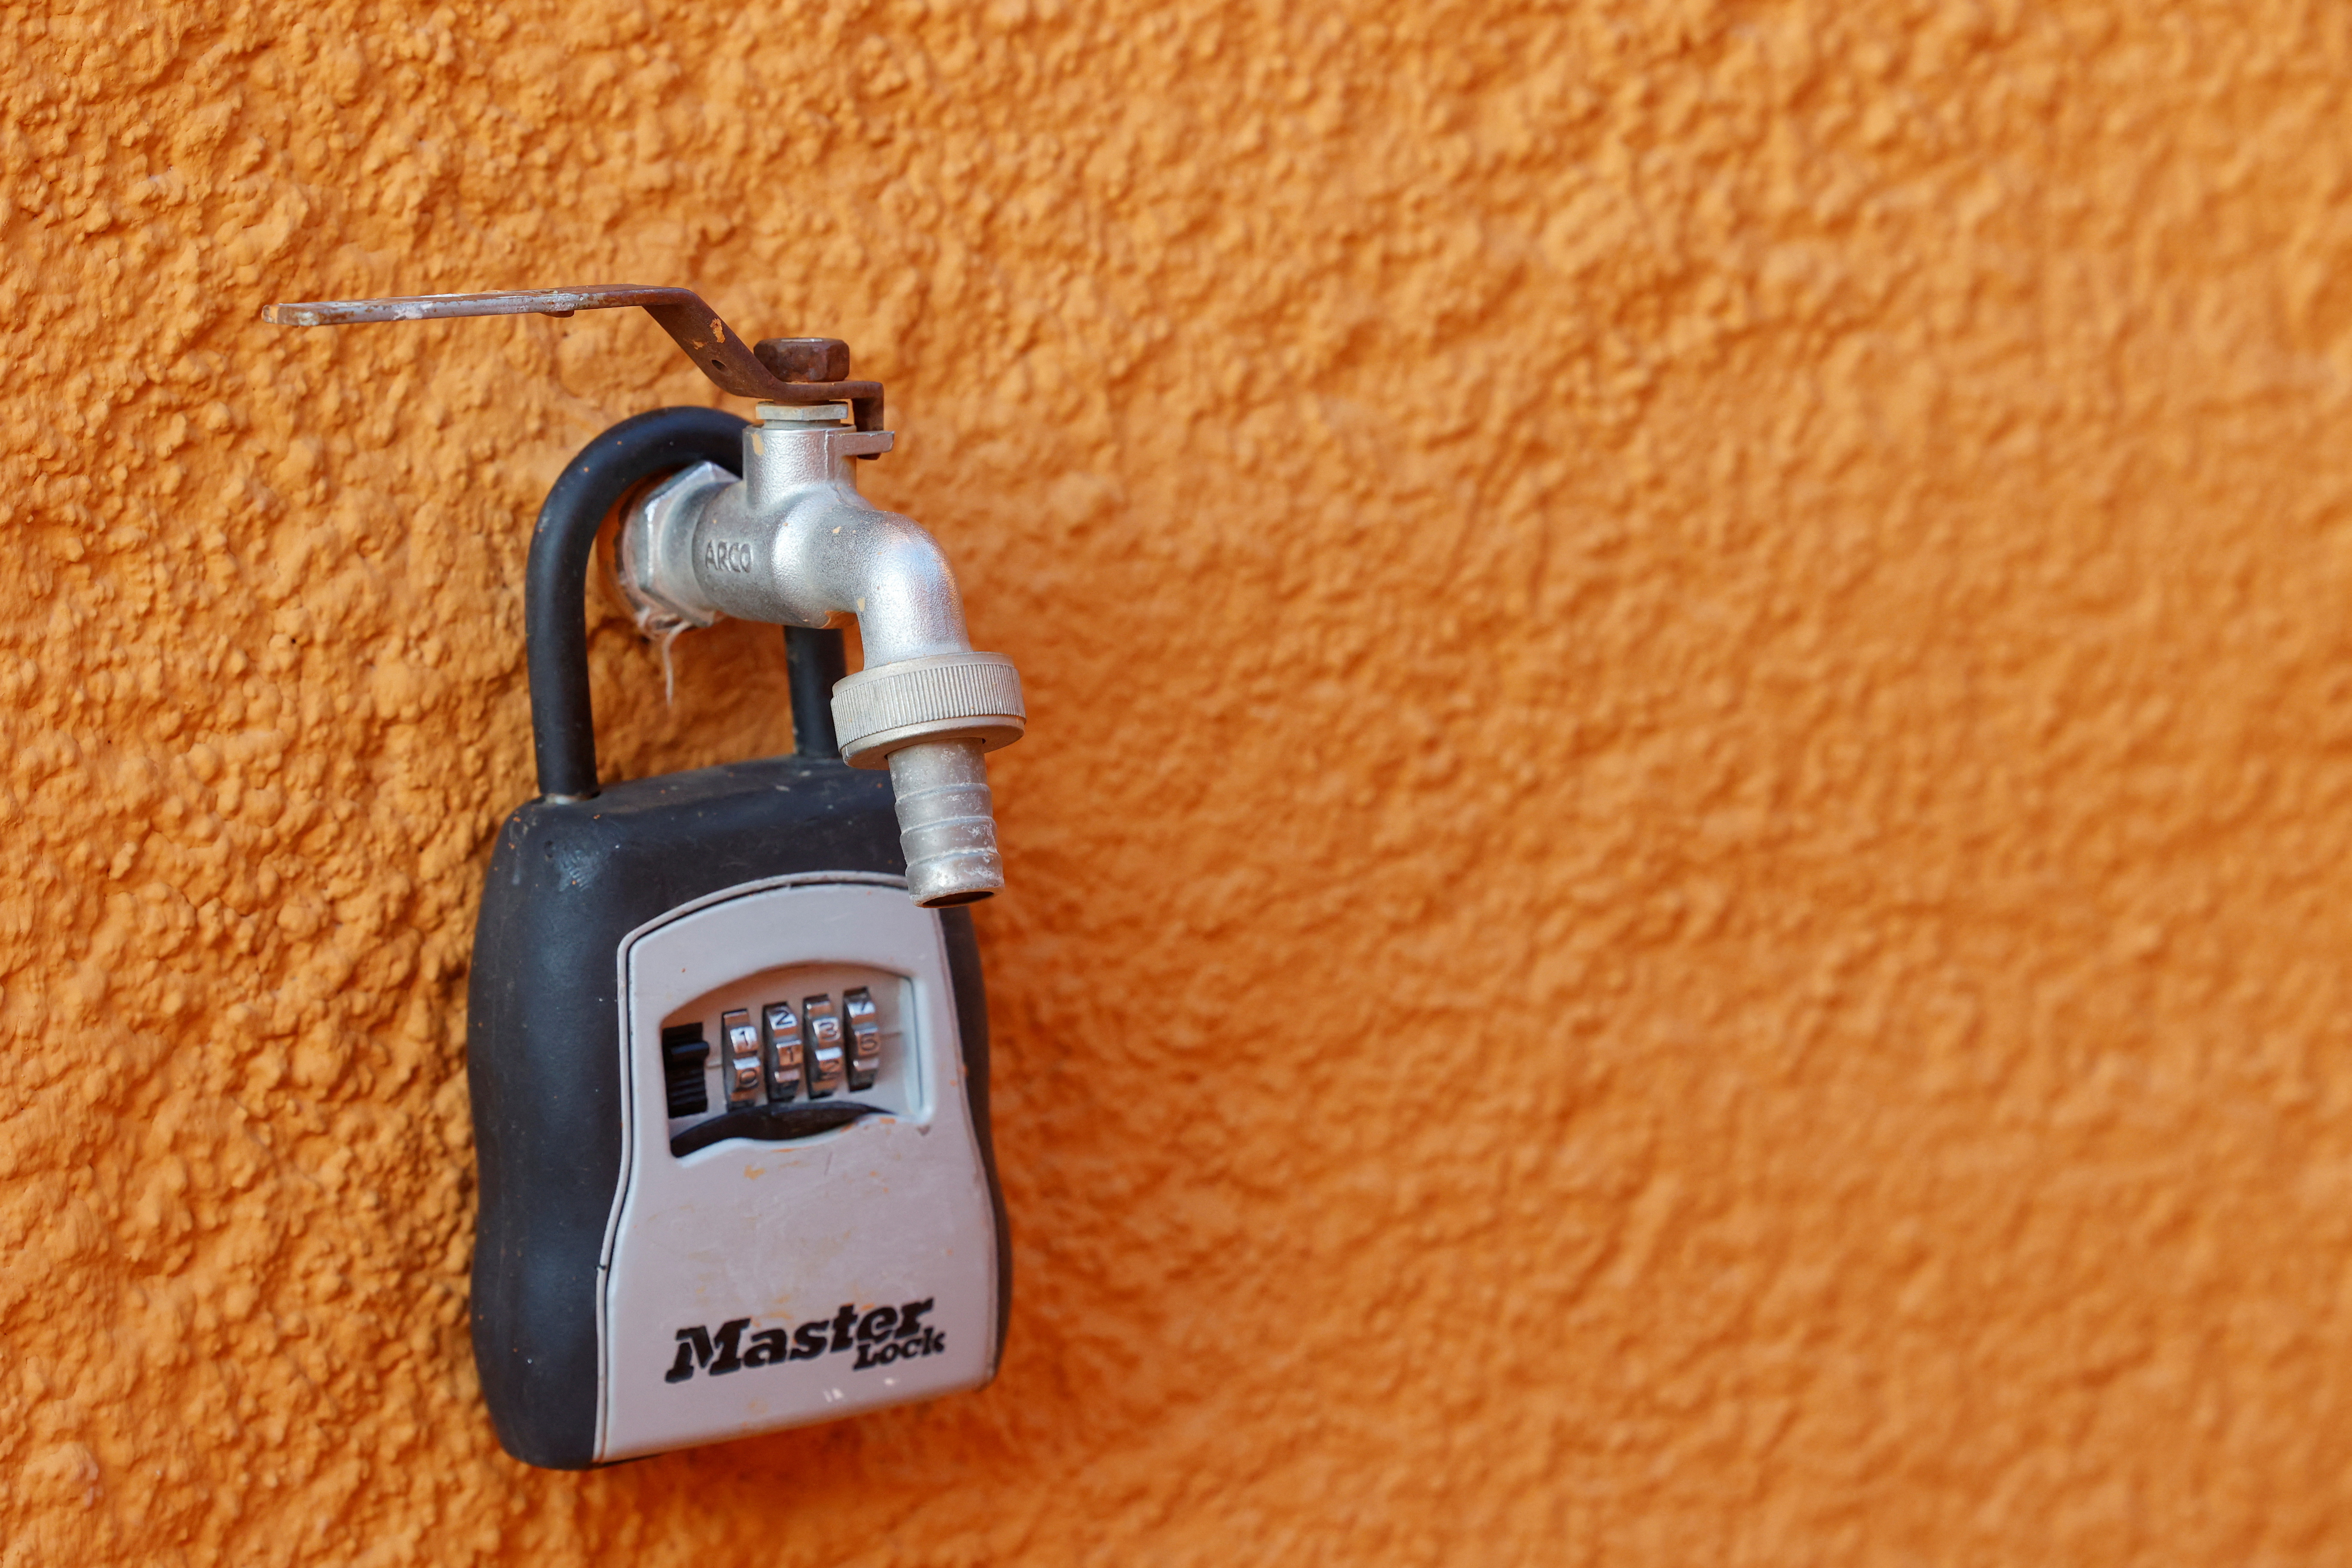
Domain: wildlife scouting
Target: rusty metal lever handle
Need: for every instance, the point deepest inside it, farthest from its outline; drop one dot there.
(717, 351)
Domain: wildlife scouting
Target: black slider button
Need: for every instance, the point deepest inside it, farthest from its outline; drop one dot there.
(824, 1055)
(684, 1051)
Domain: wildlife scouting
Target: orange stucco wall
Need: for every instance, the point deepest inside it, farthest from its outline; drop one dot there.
(1678, 888)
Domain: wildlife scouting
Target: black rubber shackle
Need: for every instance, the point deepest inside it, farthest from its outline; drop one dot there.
(555, 585)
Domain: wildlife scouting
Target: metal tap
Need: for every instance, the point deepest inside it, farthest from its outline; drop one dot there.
(791, 542)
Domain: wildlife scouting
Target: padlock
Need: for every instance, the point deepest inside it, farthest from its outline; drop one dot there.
(728, 1061)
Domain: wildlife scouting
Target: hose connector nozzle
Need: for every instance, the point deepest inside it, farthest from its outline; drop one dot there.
(929, 720)
(947, 822)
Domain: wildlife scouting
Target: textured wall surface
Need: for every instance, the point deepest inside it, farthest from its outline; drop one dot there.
(1679, 882)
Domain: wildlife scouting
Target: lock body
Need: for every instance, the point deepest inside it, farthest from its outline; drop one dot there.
(680, 1245)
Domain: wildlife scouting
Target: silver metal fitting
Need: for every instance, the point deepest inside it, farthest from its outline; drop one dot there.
(789, 414)
(947, 822)
(794, 544)
(663, 524)
(945, 697)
